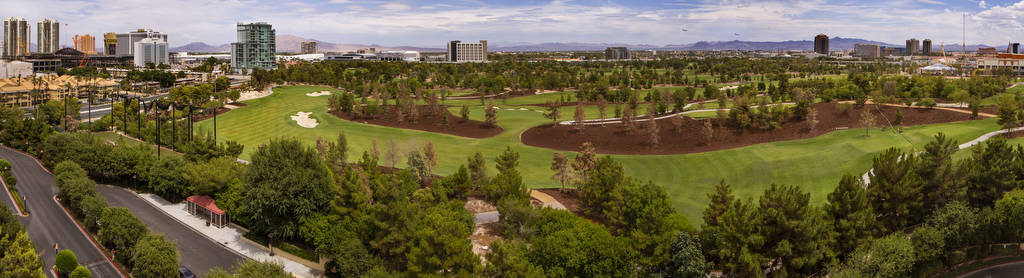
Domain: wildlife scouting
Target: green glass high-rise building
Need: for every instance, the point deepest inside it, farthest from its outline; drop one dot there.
(255, 47)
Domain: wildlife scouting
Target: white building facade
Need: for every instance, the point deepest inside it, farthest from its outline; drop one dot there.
(150, 50)
(125, 42)
(467, 52)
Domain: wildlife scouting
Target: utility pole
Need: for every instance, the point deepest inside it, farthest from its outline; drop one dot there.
(174, 126)
(158, 120)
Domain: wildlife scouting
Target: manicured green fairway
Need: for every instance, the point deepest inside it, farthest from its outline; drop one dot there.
(118, 139)
(816, 164)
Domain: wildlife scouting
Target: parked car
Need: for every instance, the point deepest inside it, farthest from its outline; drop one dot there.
(186, 273)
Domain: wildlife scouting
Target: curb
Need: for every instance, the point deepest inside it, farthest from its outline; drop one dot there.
(94, 244)
(136, 194)
(11, 195)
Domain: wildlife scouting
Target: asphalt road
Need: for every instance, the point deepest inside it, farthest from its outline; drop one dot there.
(1015, 269)
(48, 223)
(195, 251)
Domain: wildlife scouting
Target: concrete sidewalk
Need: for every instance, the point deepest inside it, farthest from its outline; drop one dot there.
(227, 236)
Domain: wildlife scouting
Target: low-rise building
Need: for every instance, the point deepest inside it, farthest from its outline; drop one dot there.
(10, 69)
(1014, 62)
(399, 55)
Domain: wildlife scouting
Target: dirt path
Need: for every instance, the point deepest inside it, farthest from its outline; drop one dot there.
(666, 116)
(548, 201)
(987, 115)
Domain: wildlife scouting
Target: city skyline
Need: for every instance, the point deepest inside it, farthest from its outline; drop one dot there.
(432, 23)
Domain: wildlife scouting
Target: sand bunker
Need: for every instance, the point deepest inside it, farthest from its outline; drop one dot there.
(247, 95)
(303, 119)
(320, 93)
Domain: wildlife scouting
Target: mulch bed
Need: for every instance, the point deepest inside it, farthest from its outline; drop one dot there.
(613, 139)
(428, 122)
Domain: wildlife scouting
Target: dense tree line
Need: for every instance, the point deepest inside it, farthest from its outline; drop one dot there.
(515, 74)
(920, 213)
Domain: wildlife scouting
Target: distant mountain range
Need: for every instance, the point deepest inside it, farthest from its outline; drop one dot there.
(290, 43)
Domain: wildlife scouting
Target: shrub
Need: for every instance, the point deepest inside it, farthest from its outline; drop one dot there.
(66, 261)
(80, 272)
(926, 102)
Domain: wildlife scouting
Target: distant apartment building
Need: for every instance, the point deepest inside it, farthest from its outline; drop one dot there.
(48, 32)
(821, 44)
(126, 41)
(616, 53)
(926, 47)
(913, 47)
(85, 44)
(110, 44)
(255, 48)
(15, 37)
(866, 50)
(987, 51)
(150, 50)
(308, 47)
(467, 52)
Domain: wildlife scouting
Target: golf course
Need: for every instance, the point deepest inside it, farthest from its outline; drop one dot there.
(816, 164)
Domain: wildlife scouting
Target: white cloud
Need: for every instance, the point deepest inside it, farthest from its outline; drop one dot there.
(404, 23)
(981, 4)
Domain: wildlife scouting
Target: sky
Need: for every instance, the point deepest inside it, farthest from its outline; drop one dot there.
(510, 22)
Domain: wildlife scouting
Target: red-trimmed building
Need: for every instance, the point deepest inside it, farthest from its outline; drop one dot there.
(205, 207)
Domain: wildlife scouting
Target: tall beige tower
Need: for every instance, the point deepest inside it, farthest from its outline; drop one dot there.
(48, 40)
(85, 43)
(15, 37)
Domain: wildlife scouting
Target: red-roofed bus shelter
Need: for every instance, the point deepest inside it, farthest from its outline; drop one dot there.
(204, 207)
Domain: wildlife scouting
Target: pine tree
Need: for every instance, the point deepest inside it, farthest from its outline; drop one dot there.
(894, 191)
(464, 112)
(579, 117)
(627, 119)
(560, 164)
(867, 120)
(708, 132)
(429, 155)
(491, 115)
(794, 232)
(850, 215)
(584, 161)
(20, 259)
(653, 137)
